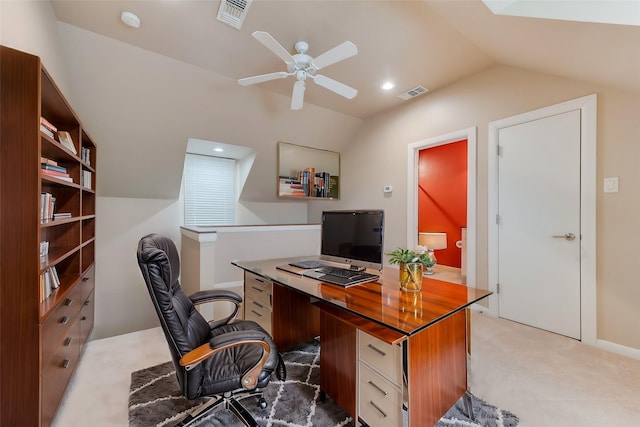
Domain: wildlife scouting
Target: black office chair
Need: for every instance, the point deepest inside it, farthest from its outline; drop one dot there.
(228, 361)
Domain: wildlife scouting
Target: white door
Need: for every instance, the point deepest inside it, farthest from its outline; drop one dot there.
(539, 223)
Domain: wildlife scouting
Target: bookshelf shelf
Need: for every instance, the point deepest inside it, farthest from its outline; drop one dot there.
(45, 300)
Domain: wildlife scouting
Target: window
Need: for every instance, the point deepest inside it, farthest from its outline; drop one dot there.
(209, 190)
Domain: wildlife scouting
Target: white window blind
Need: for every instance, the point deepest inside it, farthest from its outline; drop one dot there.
(209, 184)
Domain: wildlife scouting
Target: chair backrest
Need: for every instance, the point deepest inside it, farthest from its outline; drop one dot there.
(183, 326)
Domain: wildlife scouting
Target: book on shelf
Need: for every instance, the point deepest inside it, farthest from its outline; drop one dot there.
(47, 124)
(44, 160)
(86, 179)
(47, 204)
(54, 168)
(85, 155)
(61, 215)
(46, 131)
(44, 248)
(58, 175)
(55, 280)
(65, 139)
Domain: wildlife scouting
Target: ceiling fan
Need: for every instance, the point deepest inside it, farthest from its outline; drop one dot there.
(303, 66)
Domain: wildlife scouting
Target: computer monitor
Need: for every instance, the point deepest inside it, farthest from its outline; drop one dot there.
(353, 237)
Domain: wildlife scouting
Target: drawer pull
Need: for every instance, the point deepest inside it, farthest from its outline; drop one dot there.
(374, 385)
(377, 350)
(87, 302)
(384, 414)
(84, 318)
(65, 364)
(85, 279)
(259, 280)
(258, 304)
(257, 289)
(67, 342)
(256, 313)
(68, 302)
(64, 320)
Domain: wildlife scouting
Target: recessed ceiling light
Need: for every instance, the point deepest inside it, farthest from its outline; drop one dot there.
(130, 19)
(218, 149)
(387, 85)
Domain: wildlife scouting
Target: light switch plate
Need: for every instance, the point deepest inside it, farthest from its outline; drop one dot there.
(611, 185)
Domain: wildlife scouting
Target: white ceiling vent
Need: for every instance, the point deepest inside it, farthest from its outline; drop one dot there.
(233, 12)
(412, 93)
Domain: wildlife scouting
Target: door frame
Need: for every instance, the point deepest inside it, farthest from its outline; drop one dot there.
(413, 155)
(588, 108)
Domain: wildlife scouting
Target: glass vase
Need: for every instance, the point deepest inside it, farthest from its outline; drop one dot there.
(411, 277)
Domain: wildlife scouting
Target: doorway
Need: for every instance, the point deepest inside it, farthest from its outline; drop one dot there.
(414, 149)
(542, 218)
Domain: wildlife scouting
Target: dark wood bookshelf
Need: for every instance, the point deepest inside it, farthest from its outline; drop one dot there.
(41, 340)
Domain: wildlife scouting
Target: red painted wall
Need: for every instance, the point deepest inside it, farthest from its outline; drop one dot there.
(442, 196)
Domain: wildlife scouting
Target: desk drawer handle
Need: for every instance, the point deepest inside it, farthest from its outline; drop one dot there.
(377, 350)
(68, 302)
(374, 385)
(65, 364)
(258, 304)
(257, 289)
(85, 279)
(67, 342)
(87, 302)
(384, 414)
(259, 280)
(64, 320)
(256, 313)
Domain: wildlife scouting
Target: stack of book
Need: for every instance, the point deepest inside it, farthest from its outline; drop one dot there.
(47, 128)
(290, 187)
(49, 281)
(52, 168)
(61, 215)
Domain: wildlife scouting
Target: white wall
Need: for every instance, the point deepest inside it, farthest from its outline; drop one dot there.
(497, 93)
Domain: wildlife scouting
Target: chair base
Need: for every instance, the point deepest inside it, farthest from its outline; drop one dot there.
(228, 401)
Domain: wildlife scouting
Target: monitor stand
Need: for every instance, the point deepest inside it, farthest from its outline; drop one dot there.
(356, 268)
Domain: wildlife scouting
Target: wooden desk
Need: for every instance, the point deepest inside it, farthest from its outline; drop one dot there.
(388, 357)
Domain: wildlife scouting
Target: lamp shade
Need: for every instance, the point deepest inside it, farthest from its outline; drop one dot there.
(433, 241)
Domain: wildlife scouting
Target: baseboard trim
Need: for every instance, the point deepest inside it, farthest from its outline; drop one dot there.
(622, 350)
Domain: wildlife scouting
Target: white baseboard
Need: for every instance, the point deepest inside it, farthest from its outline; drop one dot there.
(622, 350)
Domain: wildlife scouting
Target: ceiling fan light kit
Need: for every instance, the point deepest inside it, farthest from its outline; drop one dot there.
(302, 66)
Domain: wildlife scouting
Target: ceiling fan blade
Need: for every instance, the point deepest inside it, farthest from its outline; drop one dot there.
(335, 86)
(338, 53)
(270, 43)
(262, 78)
(298, 95)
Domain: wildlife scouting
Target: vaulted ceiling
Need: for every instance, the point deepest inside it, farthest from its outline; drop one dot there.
(431, 43)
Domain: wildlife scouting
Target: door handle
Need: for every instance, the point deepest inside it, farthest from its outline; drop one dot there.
(567, 236)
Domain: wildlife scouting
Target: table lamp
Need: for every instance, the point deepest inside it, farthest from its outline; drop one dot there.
(433, 241)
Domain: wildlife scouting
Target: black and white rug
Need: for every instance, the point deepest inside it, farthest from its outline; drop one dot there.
(155, 400)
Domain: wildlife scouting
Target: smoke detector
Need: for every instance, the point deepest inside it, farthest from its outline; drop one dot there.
(233, 12)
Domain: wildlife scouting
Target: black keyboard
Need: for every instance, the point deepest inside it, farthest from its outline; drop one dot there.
(340, 272)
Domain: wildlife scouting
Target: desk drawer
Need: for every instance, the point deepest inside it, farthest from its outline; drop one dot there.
(385, 358)
(259, 313)
(259, 292)
(380, 401)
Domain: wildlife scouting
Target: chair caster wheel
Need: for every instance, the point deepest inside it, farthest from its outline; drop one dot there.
(262, 403)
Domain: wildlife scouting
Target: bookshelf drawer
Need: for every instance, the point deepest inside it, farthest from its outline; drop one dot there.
(88, 282)
(56, 326)
(57, 372)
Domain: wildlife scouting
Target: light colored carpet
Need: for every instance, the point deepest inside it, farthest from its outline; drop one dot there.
(546, 379)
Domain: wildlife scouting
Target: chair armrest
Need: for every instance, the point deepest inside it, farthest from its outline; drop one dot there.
(215, 295)
(229, 340)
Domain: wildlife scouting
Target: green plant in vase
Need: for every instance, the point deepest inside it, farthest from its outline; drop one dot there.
(411, 263)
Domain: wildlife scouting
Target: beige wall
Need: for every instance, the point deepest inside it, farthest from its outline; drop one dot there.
(491, 95)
